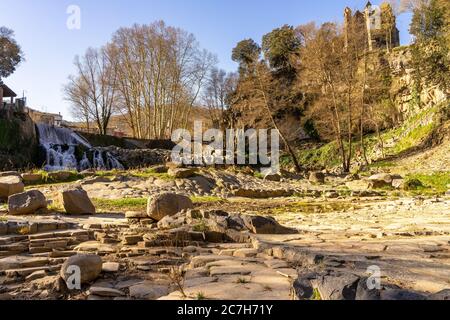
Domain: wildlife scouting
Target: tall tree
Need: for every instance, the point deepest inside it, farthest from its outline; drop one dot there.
(330, 73)
(257, 84)
(280, 49)
(76, 93)
(10, 53)
(161, 73)
(96, 83)
(246, 53)
(431, 48)
(218, 88)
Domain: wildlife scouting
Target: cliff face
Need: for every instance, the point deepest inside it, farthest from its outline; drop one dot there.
(18, 140)
(408, 98)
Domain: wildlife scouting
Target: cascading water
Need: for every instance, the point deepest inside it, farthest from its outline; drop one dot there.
(62, 146)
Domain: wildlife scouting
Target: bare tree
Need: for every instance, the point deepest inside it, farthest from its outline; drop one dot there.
(75, 92)
(161, 72)
(219, 86)
(96, 83)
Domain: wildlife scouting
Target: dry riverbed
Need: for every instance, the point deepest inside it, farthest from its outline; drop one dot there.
(339, 236)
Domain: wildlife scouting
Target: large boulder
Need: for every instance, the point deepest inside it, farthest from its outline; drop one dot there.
(359, 185)
(59, 176)
(167, 204)
(26, 203)
(90, 267)
(273, 177)
(443, 295)
(31, 177)
(265, 225)
(10, 185)
(76, 202)
(10, 173)
(337, 286)
(401, 295)
(182, 173)
(380, 180)
(317, 177)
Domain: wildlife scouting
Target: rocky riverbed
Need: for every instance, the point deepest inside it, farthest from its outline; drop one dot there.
(184, 233)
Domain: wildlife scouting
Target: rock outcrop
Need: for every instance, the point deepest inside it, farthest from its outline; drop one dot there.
(26, 203)
(10, 185)
(167, 204)
(90, 267)
(76, 202)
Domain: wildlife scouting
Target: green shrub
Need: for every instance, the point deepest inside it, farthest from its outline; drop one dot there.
(412, 184)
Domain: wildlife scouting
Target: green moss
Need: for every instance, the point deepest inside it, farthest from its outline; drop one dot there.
(47, 179)
(150, 173)
(325, 156)
(120, 205)
(206, 199)
(10, 136)
(200, 227)
(258, 175)
(412, 184)
(414, 138)
(435, 183)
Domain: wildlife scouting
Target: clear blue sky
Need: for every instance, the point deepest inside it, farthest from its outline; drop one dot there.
(50, 47)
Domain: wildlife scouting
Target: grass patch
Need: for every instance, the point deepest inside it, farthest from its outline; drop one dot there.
(120, 205)
(258, 175)
(201, 227)
(206, 199)
(148, 174)
(325, 156)
(56, 207)
(316, 295)
(435, 183)
(414, 138)
(143, 174)
(200, 296)
(242, 281)
(55, 177)
(3, 219)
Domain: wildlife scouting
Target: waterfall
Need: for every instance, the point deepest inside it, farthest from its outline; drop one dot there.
(62, 145)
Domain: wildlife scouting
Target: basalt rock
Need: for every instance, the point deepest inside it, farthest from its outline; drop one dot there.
(77, 202)
(182, 173)
(167, 204)
(10, 185)
(380, 180)
(26, 203)
(265, 225)
(90, 267)
(317, 177)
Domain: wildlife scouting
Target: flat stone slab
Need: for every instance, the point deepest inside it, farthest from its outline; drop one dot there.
(111, 267)
(105, 292)
(148, 291)
(200, 261)
(20, 262)
(230, 270)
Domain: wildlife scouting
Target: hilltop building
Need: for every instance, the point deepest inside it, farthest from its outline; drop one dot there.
(380, 25)
(52, 119)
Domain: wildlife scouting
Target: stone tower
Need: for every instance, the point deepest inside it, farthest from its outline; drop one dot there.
(380, 25)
